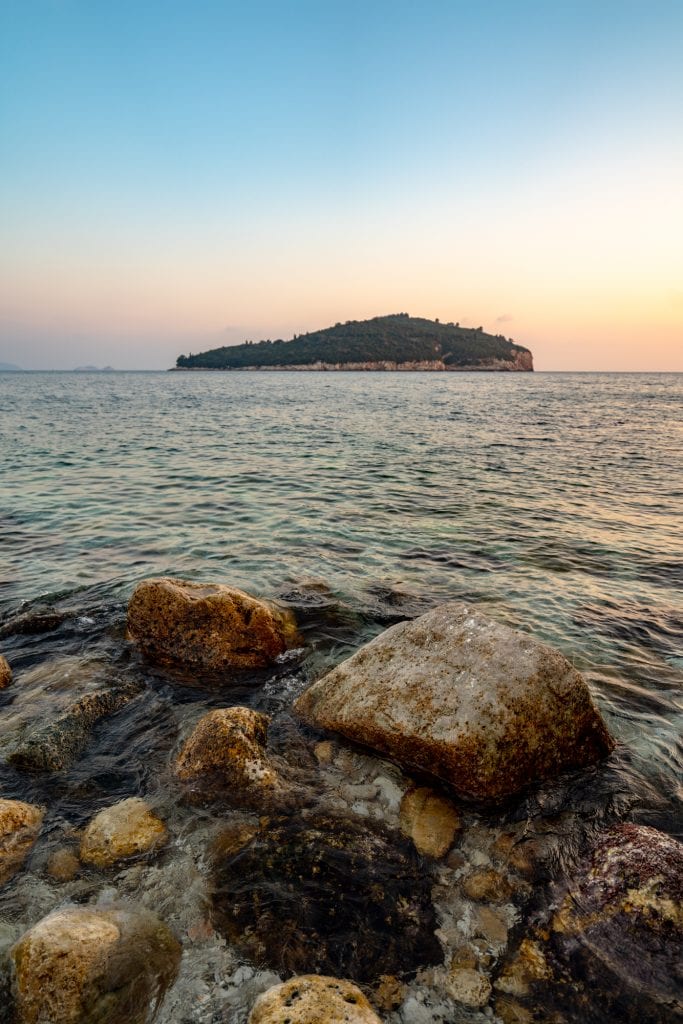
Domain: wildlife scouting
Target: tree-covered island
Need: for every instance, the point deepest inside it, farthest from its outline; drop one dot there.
(396, 342)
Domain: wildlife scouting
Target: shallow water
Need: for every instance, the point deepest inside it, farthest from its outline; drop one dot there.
(359, 499)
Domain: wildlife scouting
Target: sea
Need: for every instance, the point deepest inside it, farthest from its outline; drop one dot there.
(551, 501)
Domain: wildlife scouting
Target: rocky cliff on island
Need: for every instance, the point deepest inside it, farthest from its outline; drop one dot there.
(396, 342)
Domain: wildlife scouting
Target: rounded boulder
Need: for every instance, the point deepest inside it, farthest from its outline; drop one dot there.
(313, 999)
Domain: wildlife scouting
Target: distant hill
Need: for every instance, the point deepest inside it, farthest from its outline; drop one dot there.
(9, 368)
(391, 342)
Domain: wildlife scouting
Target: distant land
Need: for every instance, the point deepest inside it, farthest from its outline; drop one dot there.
(396, 342)
(93, 369)
(9, 368)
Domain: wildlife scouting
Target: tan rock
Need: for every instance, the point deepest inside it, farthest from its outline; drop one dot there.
(526, 967)
(512, 1012)
(313, 999)
(431, 821)
(19, 827)
(324, 751)
(127, 829)
(226, 753)
(63, 865)
(487, 886)
(207, 625)
(81, 965)
(389, 993)
(483, 707)
(469, 987)
(491, 925)
(5, 673)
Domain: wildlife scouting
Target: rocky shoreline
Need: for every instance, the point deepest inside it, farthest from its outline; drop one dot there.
(522, 363)
(366, 854)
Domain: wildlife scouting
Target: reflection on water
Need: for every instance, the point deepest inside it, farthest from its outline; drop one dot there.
(358, 500)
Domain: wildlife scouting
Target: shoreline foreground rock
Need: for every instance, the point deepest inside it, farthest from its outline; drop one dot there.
(482, 707)
(313, 999)
(5, 673)
(207, 626)
(85, 964)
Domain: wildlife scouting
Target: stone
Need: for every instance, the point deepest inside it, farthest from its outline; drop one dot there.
(127, 829)
(313, 999)
(469, 987)
(489, 924)
(389, 993)
(207, 626)
(33, 622)
(487, 886)
(63, 865)
(85, 965)
(5, 673)
(482, 707)
(512, 1012)
(527, 966)
(225, 754)
(19, 827)
(616, 937)
(324, 752)
(431, 821)
(327, 893)
(56, 744)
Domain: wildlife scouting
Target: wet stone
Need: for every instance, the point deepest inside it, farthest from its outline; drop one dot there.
(63, 865)
(55, 745)
(487, 886)
(469, 987)
(327, 893)
(127, 829)
(389, 993)
(431, 821)
(19, 827)
(31, 623)
(5, 673)
(313, 999)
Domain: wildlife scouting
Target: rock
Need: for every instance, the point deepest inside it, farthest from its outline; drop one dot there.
(512, 1012)
(19, 827)
(63, 865)
(207, 626)
(226, 755)
(490, 925)
(55, 745)
(389, 993)
(616, 938)
(313, 999)
(430, 820)
(5, 673)
(487, 886)
(83, 965)
(485, 708)
(324, 752)
(328, 893)
(32, 622)
(528, 965)
(469, 987)
(127, 829)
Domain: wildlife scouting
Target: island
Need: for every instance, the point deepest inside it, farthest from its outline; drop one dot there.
(395, 342)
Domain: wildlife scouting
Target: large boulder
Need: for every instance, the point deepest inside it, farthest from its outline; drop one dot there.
(313, 999)
(5, 673)
(483, 707)
(207, 626)
(127, 829)
(83, 965)
(616, 938)
(19, 827)
(225, 755)
(326, 893)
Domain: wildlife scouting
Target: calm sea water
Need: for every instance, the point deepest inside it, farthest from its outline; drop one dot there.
(552, 499)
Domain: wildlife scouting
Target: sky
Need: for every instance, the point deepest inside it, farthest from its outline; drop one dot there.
(176, 176)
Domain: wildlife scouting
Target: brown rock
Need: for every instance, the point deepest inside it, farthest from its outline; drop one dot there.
(485, 708)
(526, 967)
(83, 965)
(491, 926)
(512, 1012)
(324, 752)
(207, 626)
(225, 753)
(487, 886)
(468, 987)
(388, 993)
(19, 827)
(127, 829)
(313, 999)
(63, 865)
(430, 820)
(5, 673)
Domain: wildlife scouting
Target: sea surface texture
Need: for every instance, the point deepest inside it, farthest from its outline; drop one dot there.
(553, 501)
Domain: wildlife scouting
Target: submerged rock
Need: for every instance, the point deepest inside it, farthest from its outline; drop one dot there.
(207, 625)
(84, 965)
(431, 821)
(19, 827)
(33, 622)
(5, 673)
(485, 708)
(313, 999)
(327, 893)
(615, 940)
(127, 829)
(55, 745)
(226, 755)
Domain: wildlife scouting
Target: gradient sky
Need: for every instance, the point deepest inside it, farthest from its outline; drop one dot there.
(179, 175)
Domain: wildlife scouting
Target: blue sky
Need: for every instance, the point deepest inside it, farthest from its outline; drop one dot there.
(178, 175)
